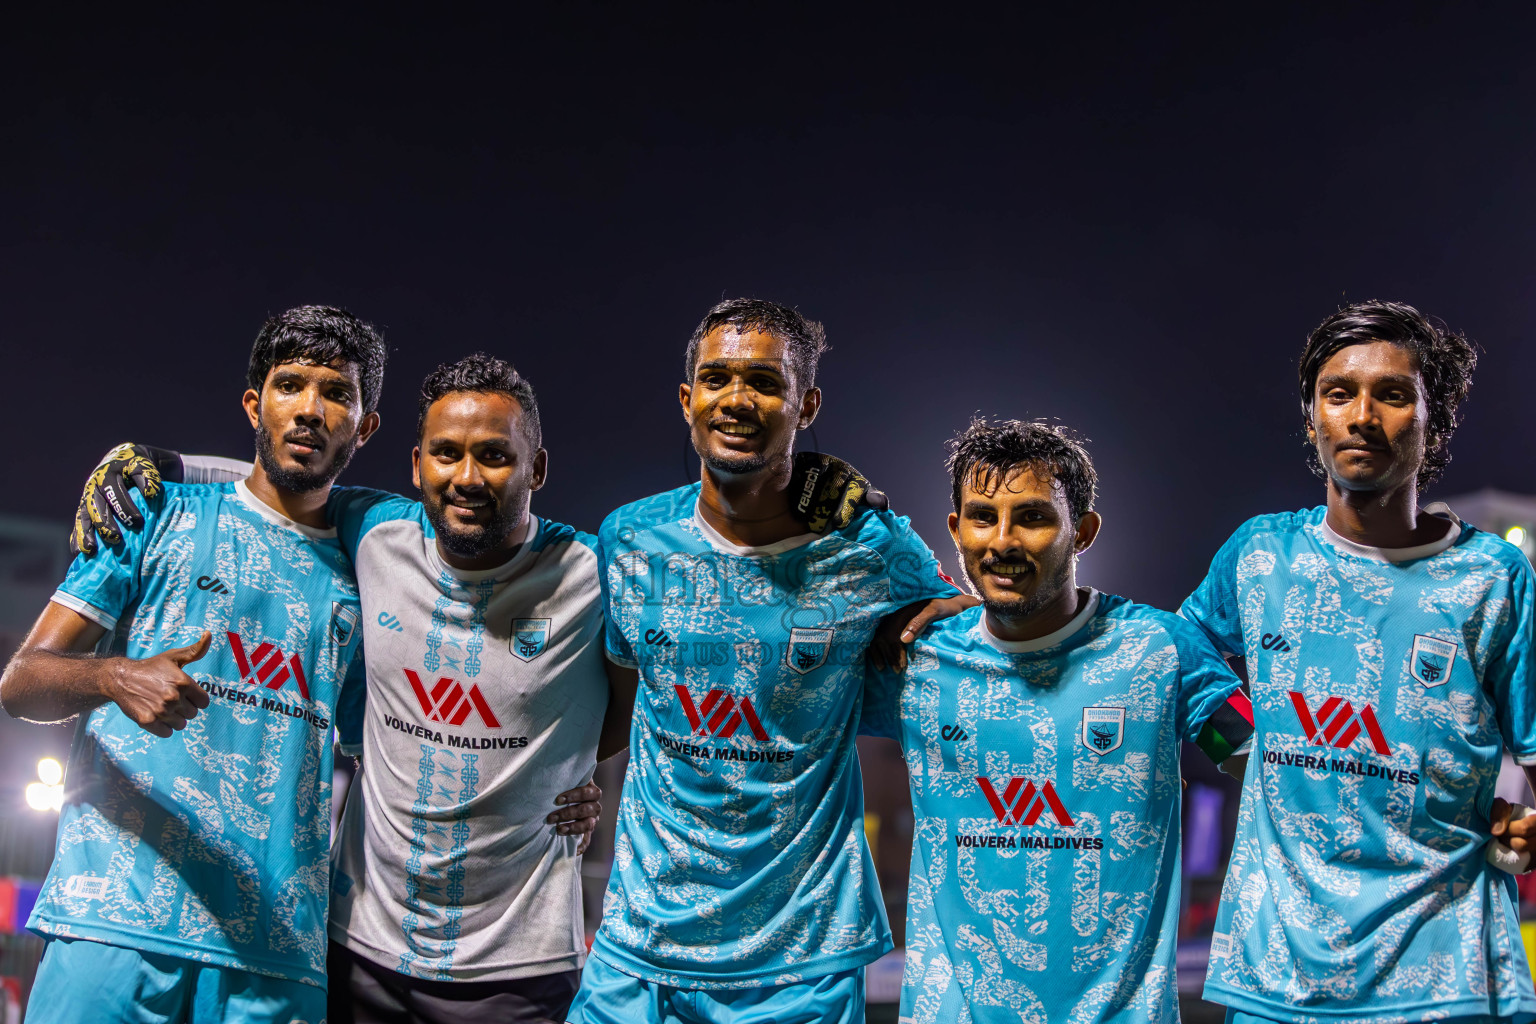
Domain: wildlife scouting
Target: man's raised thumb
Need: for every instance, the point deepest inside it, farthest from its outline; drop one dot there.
(190, 653)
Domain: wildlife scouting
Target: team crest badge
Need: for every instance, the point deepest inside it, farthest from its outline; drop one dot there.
(808, 649)
(1432, 660)
(529, 638)
(343, 622)
(1103, 729)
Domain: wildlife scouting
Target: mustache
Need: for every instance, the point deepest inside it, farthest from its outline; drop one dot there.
(305, 437)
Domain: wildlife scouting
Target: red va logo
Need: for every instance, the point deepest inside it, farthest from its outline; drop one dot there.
(450, 703)
(720, 714)
(267, 667)
(1021, 803)
(1337, 724)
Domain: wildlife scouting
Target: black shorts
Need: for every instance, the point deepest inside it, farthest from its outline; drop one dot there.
(362, 992)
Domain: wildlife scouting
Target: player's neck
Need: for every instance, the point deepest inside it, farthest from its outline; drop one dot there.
(495, 559)
(750, 509)
(1381, 519)
(1055, 614)
(306, 509)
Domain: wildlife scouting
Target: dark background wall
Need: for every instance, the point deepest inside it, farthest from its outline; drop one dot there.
(1122, 220)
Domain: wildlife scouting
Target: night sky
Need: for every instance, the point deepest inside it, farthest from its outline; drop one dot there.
(1126, 224)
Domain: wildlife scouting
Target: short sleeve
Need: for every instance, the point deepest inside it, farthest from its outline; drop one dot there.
(1213, 712)
(912, 570)
(1213, 606)
(1508, 677)
(353, 702)
(881, 714)
(353, 511)
(213, 469)
(102, 587)
(615, 644)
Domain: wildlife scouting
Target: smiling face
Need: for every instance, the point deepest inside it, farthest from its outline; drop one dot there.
(1369, 417)
(477, 472)
(1017, 540)
(744, 405)
(309, 419)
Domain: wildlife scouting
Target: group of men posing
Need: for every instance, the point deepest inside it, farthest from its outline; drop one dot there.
(480, 660)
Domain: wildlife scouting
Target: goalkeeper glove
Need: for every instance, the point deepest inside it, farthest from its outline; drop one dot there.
(825, 492)
(106, 493)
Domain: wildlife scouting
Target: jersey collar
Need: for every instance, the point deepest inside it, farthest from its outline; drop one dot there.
(1090, 609)
(503, 571)
(719, 543)
(1439, 509)
(275, 517)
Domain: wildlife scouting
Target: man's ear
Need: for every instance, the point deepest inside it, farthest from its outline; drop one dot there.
(252, 402)
(810, 405)
(416, 466)
(684, 395)
(366, 428)
(540, 470)
(1087, 532)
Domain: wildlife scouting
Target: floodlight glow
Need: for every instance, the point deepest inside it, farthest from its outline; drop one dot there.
(41, 797)
(50, 771)
(1517, 536)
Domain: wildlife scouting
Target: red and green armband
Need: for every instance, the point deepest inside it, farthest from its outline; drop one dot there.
(1228, 728)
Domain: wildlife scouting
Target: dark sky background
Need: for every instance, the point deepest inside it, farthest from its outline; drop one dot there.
(1126, 222)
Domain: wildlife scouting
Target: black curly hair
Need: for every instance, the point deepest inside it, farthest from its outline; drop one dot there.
(323, 336)
(806, 339)
(987, 452)
(1445, 363)
(488, 375)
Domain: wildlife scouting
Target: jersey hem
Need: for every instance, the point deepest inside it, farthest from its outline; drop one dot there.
(622, 960)
(53, 928)
(526, 969)
(1471, 1006)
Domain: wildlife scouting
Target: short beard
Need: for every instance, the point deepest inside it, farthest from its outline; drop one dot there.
(476, 541)
(299, 481)
(739, 466)
(1017, 611)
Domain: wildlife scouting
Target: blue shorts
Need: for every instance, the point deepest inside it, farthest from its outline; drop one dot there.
(609, 996)
(1239, 1017)
(84, 982)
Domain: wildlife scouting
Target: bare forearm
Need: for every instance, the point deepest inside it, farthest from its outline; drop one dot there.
(49, 686)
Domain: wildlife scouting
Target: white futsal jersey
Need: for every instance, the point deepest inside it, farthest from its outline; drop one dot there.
(486, 694)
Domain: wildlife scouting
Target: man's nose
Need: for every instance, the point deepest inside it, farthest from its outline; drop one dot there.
(737, 396)
(310, 411)
(1363, 412)
(467, 475)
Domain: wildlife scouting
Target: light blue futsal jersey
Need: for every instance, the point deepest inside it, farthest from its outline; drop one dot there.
(210, 845)
(1046, 799)
(1385, 684)
(740, 858)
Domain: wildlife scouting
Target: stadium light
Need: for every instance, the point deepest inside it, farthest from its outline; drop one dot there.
(50, 771)
(1519, 536)
(47, 794)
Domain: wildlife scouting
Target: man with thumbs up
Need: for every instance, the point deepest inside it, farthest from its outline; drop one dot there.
(207, 656)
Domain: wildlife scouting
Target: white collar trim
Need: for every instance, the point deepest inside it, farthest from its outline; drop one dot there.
(272, 515)
(721, 544)
(1439, 509)
(1089, 610)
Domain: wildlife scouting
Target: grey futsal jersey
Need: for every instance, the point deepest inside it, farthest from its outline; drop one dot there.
(486, 693)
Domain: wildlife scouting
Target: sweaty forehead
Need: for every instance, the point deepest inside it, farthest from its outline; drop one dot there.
(345, 369)
(730, 344)
(1371, 358)
(476, 412)
(1028, 482)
